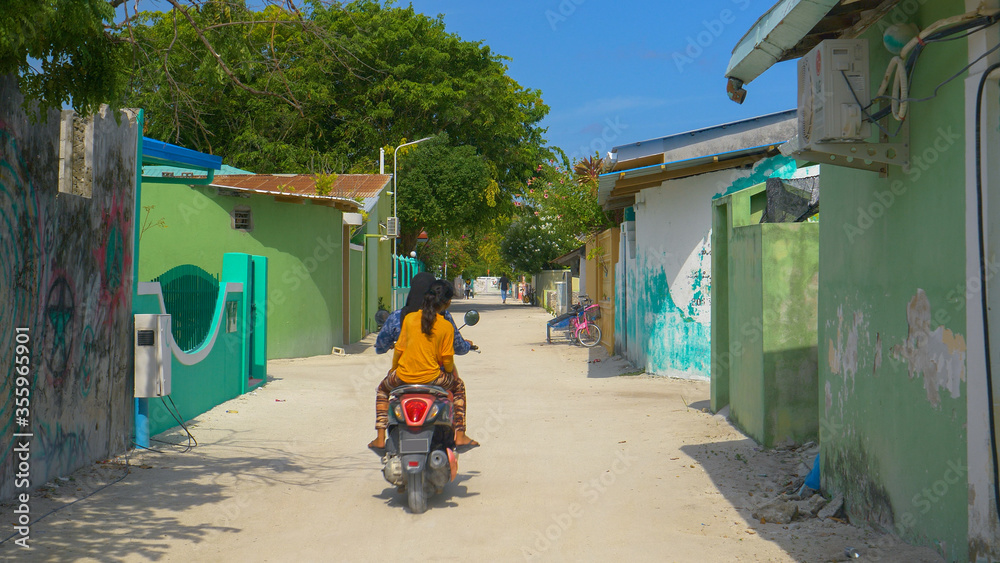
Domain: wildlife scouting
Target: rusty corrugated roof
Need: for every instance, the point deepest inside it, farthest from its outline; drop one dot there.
(347, 186)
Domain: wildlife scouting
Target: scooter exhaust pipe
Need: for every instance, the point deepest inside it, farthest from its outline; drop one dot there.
(438, 459)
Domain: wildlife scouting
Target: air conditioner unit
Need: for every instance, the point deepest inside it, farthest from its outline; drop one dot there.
(152, 355)
(392, 227)
(833, 89)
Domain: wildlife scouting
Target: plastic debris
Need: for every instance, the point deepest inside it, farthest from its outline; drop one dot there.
(233, 412)
(851, 553)
(279, 400)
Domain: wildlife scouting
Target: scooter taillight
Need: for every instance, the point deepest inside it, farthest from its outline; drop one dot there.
(416, 409)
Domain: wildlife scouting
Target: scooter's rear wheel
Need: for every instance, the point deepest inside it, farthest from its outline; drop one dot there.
(415, 495)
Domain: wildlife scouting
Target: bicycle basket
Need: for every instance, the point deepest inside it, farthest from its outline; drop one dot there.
(594, 313)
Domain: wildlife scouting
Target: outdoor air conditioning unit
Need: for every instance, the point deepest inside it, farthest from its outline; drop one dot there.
(392, 227)
(152, 355)
(833, 89)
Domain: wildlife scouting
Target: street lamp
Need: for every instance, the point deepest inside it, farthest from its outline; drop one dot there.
(394, 196)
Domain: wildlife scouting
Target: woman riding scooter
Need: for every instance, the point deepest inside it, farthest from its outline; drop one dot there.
(386, 340)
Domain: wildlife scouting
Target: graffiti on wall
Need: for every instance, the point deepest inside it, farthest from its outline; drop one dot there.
(66, 276)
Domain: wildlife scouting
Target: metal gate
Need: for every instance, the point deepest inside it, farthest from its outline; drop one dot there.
(189, 297)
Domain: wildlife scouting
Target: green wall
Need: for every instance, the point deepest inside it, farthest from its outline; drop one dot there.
(790, 264)
(728, 212)
(764, 303)
(892, 319)
(302, 243)
(357, 295)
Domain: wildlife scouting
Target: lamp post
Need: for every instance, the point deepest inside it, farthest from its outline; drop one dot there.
(394, 190)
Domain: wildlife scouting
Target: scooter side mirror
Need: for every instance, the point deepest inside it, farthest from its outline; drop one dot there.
(472, 317)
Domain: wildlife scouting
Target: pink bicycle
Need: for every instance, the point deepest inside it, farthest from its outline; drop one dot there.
(581, 320)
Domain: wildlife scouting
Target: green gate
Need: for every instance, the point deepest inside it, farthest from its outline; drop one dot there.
(189, 297)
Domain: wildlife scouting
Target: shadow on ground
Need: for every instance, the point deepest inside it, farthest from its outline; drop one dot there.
(135, 517)
(452, 490)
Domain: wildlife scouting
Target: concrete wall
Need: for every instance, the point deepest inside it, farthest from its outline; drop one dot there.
(892, 323)
(667, 322)
(302, 242)
(66, 275)
(771, 301)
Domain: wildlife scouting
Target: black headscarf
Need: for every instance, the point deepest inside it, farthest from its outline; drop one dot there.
(418, 288)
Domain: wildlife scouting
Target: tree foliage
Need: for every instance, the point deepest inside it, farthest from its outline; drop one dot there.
(62, 52)
(442, 187)
(557, 212)
(401, 76)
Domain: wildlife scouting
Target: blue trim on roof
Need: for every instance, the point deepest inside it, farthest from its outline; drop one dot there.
(159, 152)
(697, 158)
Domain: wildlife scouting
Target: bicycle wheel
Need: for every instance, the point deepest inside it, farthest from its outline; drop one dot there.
(589, 336)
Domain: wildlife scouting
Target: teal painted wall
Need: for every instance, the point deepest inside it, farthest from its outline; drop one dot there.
(223, 373)
(892, 319)
(668, 289)
(302, 243)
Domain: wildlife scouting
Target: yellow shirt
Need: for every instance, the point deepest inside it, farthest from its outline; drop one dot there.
(422, 356)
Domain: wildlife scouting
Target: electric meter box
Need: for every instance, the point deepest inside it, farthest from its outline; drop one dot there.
(152, 355)
(833, 88)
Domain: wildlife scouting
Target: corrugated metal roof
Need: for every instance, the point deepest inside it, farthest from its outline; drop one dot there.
(708, 140)
(348, 186)
(711, 149)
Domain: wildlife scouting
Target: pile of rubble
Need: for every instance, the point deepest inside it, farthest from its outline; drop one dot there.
(798, 501)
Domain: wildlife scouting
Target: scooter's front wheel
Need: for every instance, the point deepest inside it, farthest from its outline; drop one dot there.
(589, 336)
(415, 495)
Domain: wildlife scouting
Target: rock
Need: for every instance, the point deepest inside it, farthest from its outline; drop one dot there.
(779, 511)
(833, 508)
(815, 503)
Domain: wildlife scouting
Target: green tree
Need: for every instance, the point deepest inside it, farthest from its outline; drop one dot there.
(532, 242)
(441, 188)
(89, 52)
(63, 51)
(402, 76)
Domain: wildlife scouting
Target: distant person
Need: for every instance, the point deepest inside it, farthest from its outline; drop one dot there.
(504, 287)
(468, 290)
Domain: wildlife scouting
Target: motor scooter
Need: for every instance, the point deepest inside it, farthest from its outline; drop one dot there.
(420, 456)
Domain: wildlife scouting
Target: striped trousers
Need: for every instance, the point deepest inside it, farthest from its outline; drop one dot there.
(449, 381)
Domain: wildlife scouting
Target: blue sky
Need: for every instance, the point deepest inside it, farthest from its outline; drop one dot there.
(617, 73)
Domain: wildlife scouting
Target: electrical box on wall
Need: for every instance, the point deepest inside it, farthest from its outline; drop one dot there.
(152, 355)
(392, 227)
(833, 89)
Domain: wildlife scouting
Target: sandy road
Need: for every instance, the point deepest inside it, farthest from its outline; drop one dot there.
(577, 464)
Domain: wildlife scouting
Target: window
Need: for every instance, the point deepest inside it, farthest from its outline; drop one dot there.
(232, 316)
(242, 219)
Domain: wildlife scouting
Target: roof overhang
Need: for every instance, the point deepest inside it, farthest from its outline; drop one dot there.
(791, 28)
(342, 203)
(159, 153)
(723, 147)
(572, 257)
